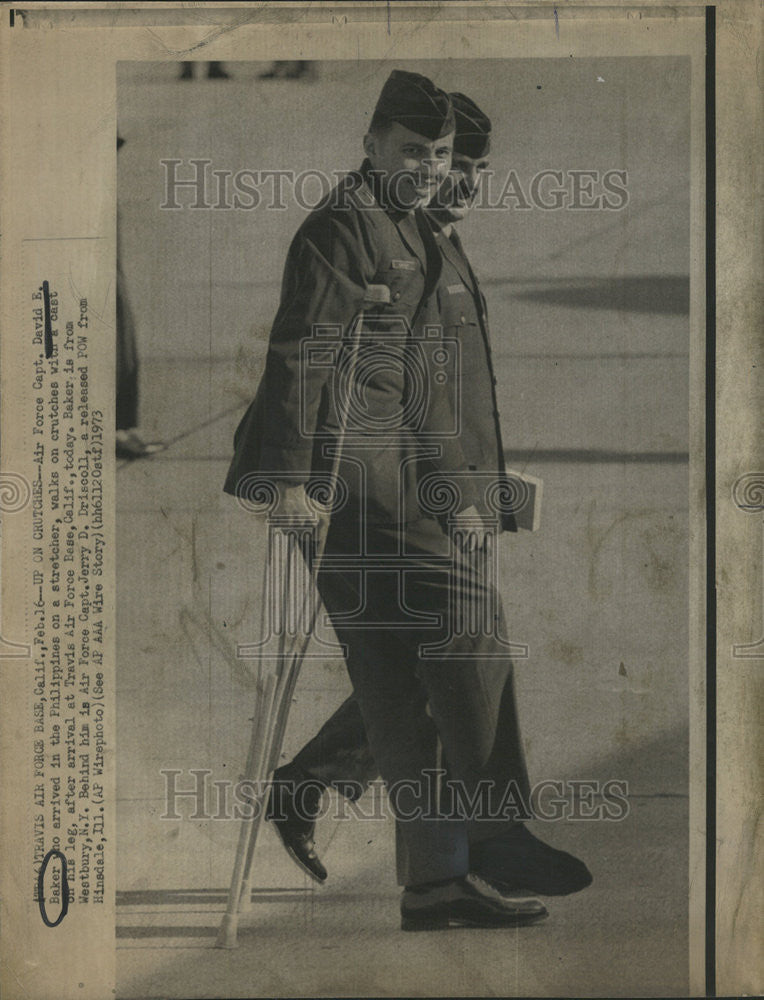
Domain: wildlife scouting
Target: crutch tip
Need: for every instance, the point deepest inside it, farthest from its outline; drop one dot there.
(227, 934)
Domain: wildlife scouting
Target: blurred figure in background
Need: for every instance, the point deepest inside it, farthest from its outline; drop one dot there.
(129, 442)
(215, 71)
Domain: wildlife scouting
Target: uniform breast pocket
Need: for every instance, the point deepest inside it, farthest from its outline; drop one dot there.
(405, 280)
(457, 308)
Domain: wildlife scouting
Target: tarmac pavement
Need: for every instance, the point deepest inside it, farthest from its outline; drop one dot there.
(589, 319)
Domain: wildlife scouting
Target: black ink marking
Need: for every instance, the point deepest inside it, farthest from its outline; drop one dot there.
(48, 328)
(556, 23)
(41, 885)
(13, 15)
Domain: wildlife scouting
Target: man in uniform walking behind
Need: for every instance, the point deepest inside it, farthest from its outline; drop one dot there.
(370, 246)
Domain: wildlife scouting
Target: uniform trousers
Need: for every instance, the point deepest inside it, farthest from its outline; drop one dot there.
(421, 624)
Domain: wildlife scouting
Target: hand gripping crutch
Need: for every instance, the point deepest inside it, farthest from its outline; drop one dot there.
(274, 693)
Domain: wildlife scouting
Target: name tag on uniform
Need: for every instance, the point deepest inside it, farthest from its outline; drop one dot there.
(455, 289)
(403, 265)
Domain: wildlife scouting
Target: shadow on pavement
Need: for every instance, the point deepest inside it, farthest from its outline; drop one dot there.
(164, 897)
(649, 293)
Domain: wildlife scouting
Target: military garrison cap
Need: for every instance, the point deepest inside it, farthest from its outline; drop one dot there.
(473, 128)
(416, 103)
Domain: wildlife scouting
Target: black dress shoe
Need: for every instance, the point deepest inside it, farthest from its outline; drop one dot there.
(469, 901)
(519, 862)
(293, 806)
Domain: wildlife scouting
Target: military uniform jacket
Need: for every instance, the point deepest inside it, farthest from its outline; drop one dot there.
(462, 312)
(352, 255)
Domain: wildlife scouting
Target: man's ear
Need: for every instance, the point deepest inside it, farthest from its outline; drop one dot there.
(369, 145)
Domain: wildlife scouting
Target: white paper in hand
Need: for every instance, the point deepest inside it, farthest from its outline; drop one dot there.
(527, 506)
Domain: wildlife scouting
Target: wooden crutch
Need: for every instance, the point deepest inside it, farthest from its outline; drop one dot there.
(274, 696)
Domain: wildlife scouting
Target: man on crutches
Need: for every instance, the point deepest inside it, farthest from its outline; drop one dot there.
(339, 756)
(389, 571)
